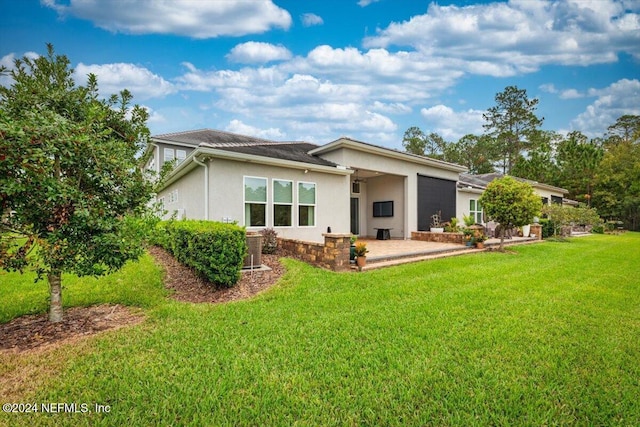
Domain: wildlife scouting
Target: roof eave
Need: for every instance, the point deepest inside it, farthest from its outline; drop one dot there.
(386, 152)
(205, 152)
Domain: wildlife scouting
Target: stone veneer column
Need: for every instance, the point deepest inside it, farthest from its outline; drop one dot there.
(537, 230)
(336, 251)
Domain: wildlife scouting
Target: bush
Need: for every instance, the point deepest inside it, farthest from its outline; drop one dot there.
(548, 228)
(269, 240)
(214, 250)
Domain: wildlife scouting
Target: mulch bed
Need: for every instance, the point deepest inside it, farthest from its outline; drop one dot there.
(29, 333)
(36, 332)
(189, 287)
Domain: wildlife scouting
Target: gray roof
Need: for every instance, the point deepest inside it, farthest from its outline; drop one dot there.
(227, 141)
(481, 181)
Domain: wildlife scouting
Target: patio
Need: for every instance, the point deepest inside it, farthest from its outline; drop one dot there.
(384, 253)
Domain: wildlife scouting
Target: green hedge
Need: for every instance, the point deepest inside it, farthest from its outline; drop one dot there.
(216, 251)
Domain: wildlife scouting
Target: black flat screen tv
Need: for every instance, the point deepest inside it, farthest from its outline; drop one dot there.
(383, 209)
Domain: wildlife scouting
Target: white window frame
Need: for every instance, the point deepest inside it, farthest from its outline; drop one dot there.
(180, 156)
(275, 203)
(475, 212)
(314, 205)
(170, 158)
(266, 202)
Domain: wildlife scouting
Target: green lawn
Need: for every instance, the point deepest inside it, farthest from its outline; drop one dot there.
(546, 336)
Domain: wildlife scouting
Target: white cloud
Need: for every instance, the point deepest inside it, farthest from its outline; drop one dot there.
(391, 108)
(258, 52)
(571, 94)
(197, 19)
(112, 78)
(616, 100)
(236, 126)
(503, 39)
(8, 62)
(311, 19)
(548, 88)
(452, 125)
(365, 3)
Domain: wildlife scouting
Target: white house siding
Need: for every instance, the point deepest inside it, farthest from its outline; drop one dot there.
(381, 189)
(189, 191)
(226, 197)
(464, 196)
(408, 170)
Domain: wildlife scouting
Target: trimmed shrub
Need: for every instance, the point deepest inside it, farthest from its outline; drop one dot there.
(214, 250)
(548, 228)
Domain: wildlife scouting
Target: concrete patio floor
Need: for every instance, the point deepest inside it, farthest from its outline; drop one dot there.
(385, 253)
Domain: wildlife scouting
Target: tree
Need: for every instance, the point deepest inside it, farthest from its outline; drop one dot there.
(578, 159)
(626, 128)
(477, 153)
(71, 191)
(617, 184)
(538, 164)
(511, 203)
(414, 141)
(511, 121)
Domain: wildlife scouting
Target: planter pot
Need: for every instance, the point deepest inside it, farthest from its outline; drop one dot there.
(526, 229)
(352, 253)
(480, 245)
(361, 261)
(437, 229)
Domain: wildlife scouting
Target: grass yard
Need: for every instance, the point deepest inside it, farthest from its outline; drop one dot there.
(546, 336)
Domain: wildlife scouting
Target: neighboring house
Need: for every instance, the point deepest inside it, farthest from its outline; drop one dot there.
(303, 190)
(471, 187)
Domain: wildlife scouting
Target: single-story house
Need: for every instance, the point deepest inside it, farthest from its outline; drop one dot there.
(303, 190)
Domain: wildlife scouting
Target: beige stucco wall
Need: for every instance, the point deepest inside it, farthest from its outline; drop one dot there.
(381, 189)
(409, 171)
(462, 202)
(189, 196)
(226, 196)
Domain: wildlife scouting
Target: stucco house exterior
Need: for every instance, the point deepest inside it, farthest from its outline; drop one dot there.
(303, 190)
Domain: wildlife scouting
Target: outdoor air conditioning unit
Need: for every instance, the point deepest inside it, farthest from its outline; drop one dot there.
(181, 214)
(254, 252)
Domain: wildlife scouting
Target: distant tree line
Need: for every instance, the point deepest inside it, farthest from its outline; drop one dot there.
(601, 172)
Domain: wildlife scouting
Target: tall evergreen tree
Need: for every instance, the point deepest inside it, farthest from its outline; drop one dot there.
(511, 122)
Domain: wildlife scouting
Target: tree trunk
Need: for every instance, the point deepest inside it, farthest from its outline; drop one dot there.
(55, 287)
(502, 229)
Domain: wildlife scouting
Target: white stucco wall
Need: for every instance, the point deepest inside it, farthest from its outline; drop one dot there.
(226, 196)
(381, 189)
(409, 171)
(462, 203)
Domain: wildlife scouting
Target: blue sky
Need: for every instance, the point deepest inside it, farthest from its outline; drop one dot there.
(315, 70)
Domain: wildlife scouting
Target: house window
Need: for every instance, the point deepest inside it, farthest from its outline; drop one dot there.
(255, 201)
(173, 196)
(306, 204)
(475, 210)
(180, 156)
(282, 203)
(169, 155)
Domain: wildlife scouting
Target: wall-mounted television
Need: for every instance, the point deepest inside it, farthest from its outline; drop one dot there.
(383, 209)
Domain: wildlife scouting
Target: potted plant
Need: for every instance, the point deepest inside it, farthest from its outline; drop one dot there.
(361, 254)
(468, 236)
(478, 239)
(436, 223)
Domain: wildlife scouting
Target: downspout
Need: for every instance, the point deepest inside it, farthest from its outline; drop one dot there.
(206, 186)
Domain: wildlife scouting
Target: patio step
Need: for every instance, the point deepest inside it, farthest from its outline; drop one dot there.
(374, 262)
(389, 261)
